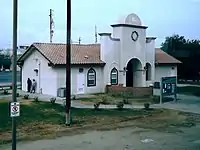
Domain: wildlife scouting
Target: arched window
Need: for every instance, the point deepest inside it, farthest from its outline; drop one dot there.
(91, 77)
(114, 76)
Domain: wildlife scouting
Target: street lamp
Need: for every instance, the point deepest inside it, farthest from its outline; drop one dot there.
(68, 64)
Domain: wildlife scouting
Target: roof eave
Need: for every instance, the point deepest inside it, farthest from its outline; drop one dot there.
(24, 55)
(84, 64)
(167, 63)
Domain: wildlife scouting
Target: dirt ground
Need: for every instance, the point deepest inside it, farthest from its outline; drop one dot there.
(134, 135)
(121, 139)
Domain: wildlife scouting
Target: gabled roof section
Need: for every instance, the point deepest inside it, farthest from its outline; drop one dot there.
(162, 57)
(55, 53)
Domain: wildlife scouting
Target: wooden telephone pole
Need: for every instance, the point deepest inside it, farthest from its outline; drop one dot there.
(51, 23)
(79, 40)
(68, 65)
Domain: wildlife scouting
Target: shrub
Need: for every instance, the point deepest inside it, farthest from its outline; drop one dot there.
(146, 106)
(53, 100)
(73, 97)
(120, 105)
(26, 96)
(156, 99)
(64, 103)
(36, 99)
(17, 95)
(5, 92)
(106, 99)
(96, 106)
(125, 100)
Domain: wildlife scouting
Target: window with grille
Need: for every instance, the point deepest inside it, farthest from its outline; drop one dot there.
(91, 77)
(114, 76)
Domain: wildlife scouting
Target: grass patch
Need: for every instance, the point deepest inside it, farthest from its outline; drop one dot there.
(189, 90)
(44, 120)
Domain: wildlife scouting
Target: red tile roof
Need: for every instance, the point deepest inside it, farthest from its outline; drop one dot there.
(162, 57)
(83, 54)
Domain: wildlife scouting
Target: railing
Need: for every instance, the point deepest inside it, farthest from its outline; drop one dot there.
(7, 86)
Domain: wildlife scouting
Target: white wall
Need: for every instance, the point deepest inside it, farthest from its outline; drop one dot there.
(120, 49)
(61, 80)
(110, 54)
(117, 53)
(150, 58)
(163, 71)
(46, 79)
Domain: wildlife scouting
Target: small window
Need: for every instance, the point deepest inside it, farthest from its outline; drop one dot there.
(114, 76)
(80, 70)
(91, 77)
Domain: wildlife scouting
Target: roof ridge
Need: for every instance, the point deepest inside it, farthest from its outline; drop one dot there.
(49, 43)
(65, 43)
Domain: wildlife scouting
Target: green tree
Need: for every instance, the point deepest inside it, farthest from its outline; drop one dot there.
(5, 59)
(187, 51)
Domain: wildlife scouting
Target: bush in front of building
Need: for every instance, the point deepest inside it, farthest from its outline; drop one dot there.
(53, 100)
(146, 106)
(96, 106)
(120, 105)
(26, 96)
(36, 99)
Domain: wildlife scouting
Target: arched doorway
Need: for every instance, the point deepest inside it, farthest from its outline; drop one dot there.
(148, 72)
(134, 73)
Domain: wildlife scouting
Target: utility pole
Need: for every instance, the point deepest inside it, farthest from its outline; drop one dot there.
(51, 22)
(96, 34)
(68, 65)
(14, 69)
(79, 40)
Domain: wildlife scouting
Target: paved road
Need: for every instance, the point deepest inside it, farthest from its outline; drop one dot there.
(6, 77)
(186, 103)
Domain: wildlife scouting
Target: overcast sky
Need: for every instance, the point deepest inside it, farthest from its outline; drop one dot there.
(163, 18)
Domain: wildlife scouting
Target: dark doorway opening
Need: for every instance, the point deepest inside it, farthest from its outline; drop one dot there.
(129, 74)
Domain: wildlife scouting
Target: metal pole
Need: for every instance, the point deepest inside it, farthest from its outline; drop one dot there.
(68, 64)
(161, 91)
(14, 69)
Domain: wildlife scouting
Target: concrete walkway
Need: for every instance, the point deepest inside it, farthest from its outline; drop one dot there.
(74, 103)
(184, 85)
(186, 103)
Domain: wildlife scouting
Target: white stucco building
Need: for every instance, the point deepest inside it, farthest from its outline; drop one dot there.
(126, 57)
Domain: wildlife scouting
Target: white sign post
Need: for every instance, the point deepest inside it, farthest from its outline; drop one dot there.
(14, 109)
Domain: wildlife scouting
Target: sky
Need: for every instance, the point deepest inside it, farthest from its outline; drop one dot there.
(163, 18)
